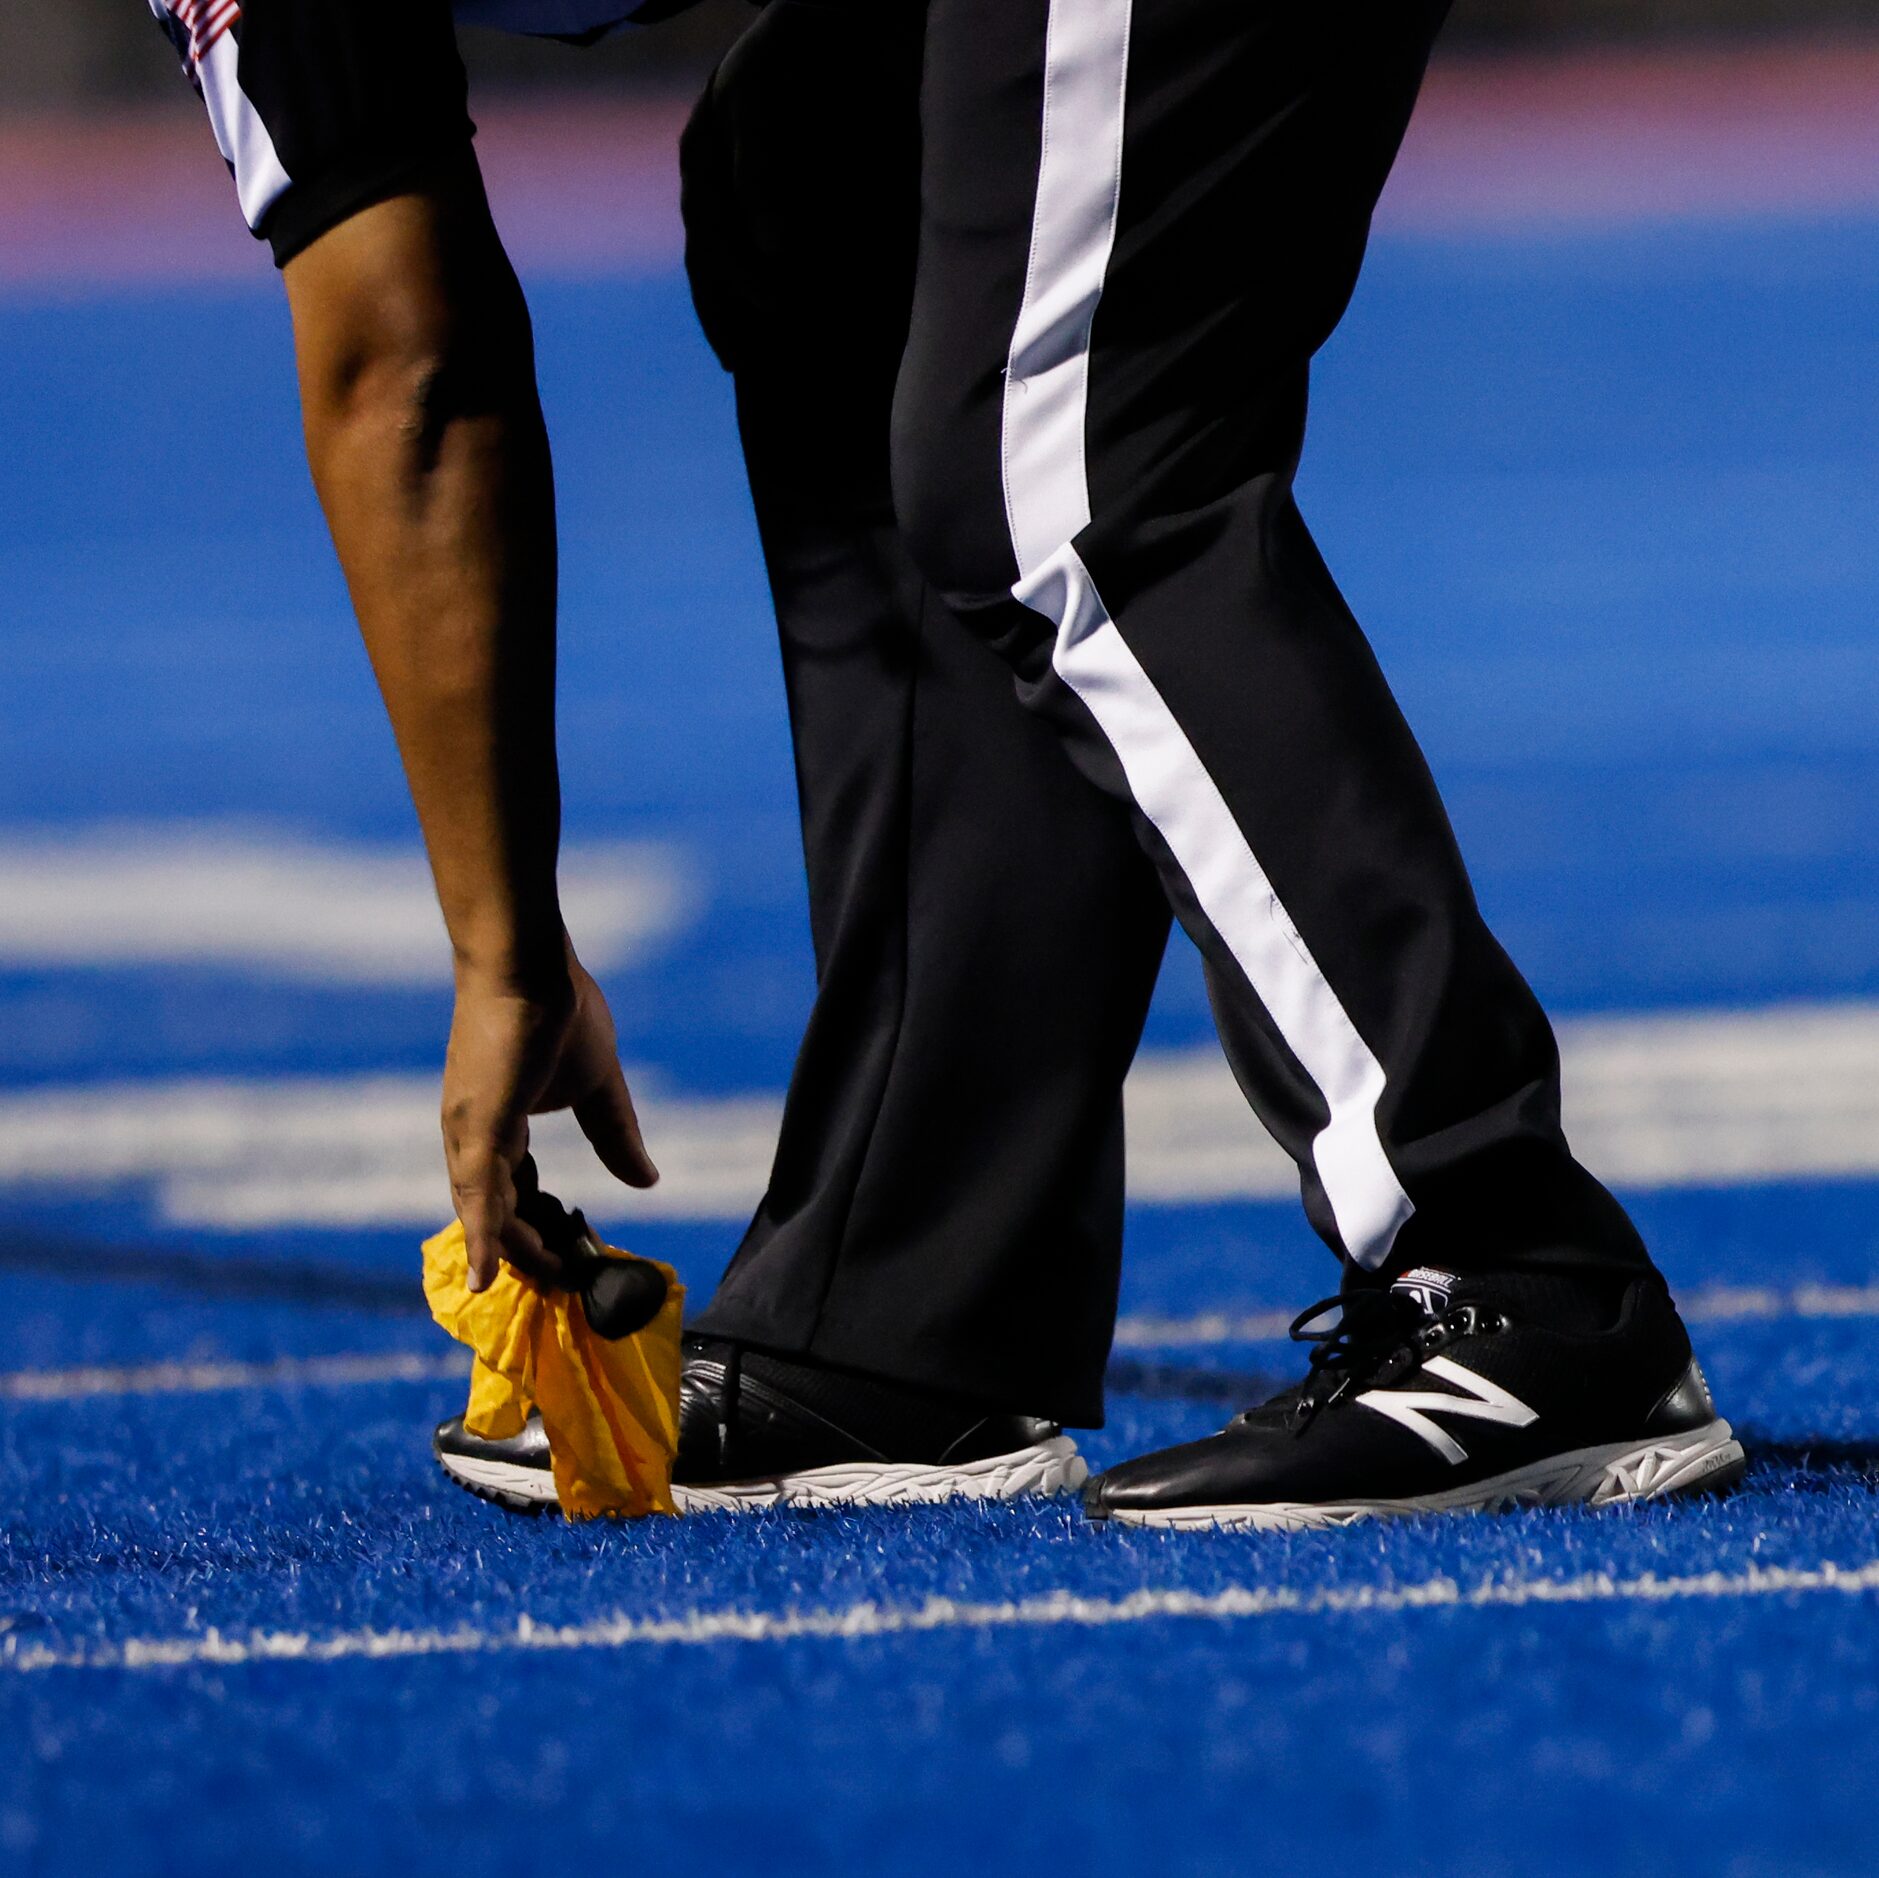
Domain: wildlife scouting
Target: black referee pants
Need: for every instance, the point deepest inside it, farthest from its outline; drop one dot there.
(1019, 297)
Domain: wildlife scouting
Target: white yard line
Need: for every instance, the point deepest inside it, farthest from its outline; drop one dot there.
(856, 1622)
(1688, 1099)
(1707, 1304)
(282, 906)
(207, 1378)
(1717, 1304)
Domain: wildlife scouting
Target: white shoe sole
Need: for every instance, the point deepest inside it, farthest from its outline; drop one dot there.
(1706, 1460)
(1052, 1466)
(520, 1489)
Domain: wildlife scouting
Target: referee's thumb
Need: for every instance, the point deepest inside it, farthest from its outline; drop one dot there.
(612, 1128)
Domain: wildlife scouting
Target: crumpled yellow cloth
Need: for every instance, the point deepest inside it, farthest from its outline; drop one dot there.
(610, 1409)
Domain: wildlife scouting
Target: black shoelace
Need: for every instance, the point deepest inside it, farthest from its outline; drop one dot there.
(1378, 1337)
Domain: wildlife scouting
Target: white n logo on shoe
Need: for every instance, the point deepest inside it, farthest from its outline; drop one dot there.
(1484, 1402)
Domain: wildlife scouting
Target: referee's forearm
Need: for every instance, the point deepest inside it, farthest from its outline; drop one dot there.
(426, 443)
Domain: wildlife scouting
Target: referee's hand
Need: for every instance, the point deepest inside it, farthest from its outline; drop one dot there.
(513, 1056)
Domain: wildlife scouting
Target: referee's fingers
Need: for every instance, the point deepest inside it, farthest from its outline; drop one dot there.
(482, 1186)
(476, 1193)
(612, 1128)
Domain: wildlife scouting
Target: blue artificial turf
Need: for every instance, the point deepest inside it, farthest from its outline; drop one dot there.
(1231, 1745)
(1604, 501)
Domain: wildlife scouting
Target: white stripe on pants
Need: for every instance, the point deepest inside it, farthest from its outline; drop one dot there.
(1047, 504)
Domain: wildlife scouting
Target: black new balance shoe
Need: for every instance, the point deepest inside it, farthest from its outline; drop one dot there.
(1448, 1394)
(755, 1430)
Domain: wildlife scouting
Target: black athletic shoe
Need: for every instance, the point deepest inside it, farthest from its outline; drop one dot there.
(755, 1430)
(1449, 1394)
(515, 1474)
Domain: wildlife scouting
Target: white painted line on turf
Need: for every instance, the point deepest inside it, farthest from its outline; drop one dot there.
(1697, 1099)
(347, 1151)
(1707, 1304)
(1684, 1099)
(858, 1622)
(209, 1377)
(1718, 1304)
(286, 907)
(1204, 1327)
